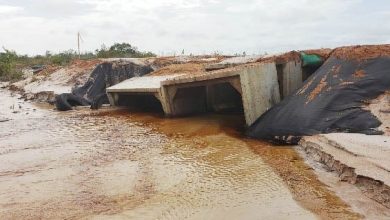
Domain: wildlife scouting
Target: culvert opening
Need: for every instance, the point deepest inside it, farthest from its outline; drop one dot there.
(140, 102)
(308, 71)
(216, 98)
(285, 78)
(279, 69)
(224, 98)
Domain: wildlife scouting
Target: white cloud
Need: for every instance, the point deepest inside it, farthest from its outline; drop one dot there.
(198, 26)
(7, 9)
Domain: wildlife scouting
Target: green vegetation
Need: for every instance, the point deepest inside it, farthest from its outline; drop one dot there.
(8, 72)
(11, 64)
(122, 50)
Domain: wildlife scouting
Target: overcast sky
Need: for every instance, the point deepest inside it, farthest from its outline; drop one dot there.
(197, 26)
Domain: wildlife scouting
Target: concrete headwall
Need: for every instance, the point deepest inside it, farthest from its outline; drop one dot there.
(291, 78)
(260, 90)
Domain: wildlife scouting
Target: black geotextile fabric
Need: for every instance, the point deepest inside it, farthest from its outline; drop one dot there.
(331, 100)
(93, 92)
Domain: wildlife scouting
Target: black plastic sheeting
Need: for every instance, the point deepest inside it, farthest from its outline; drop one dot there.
(93, 92)
(331, 100)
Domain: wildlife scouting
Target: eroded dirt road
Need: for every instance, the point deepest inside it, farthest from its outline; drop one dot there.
(116, 165)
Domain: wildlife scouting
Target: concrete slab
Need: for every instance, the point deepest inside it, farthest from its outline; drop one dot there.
(241, 59)
(357, 158)
(141, 84)
(233, 61)
(137, 61)
(188, 78)
(372, 149)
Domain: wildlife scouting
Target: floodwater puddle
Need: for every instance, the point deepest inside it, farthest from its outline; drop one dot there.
(112, 164)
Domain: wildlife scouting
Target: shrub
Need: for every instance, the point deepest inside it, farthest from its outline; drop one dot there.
(122, 50)
(8, 71)
(63, 58)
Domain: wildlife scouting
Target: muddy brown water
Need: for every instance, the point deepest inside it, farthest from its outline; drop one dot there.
(112, 164)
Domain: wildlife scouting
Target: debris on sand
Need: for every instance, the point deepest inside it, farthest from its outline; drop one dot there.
(44, 96)
(317, 89)
(359, 74)
(4, 119)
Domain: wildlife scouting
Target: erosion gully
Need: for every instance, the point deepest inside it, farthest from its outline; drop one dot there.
(115, 164)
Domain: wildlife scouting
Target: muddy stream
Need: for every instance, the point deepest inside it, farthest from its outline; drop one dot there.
(113, 164)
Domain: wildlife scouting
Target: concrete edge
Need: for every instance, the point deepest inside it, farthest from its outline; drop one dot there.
(140, 90)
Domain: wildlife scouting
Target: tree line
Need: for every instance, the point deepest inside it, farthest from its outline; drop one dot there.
(11, 63)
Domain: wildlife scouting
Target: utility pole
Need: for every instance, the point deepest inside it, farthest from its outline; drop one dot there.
(78, 43)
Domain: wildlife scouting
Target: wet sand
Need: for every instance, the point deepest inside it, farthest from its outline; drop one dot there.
(285, 161)
(118, 165)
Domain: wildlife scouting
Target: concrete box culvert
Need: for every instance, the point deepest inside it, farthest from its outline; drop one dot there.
(256, 86)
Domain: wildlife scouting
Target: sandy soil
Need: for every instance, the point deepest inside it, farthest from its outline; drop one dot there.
(361, 53)
(120, 165)
(324, 53)
(351, 194)
(306, 188)
(282, 58)
(356, 159)
(316, 91)
(380, 107)
(57, 79)
(294, 56)
(198, 67)
(174, 69)
(161, 62)
(114, 165)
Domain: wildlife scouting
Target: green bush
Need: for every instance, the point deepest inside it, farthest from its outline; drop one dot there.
(122, 50)
(8, 71)
(63, 58)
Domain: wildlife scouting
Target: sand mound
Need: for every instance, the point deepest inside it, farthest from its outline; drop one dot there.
(360, 53)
